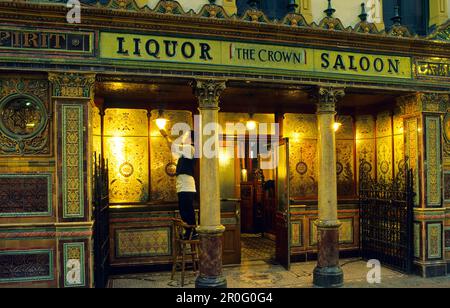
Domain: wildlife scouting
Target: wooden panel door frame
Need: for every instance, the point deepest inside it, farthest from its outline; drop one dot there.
(283, 224)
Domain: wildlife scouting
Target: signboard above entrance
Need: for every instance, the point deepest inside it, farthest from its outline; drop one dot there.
(226, 54)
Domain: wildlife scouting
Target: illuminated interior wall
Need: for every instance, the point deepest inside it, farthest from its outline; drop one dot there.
(230, 166)
(385, 155)
(126, 148)
(242, 118)
(301, 129)
(366, 142)
(96, 130)
(229, 171)
(163, 186)
(345, 157)
(399, 143)
(380, 141)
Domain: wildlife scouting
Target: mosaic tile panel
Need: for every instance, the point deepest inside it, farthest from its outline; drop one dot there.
(433, 163)
(143, 242)
(447, 186)
(74, 265)
(417, 239)
(412, 151)
(434, 240)
(447, 239)
(26, 195)
(297, 233)
(29, 265)
(15, 137)
(72, 161)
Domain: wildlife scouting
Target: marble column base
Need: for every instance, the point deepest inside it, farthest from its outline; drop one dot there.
(328, 273)
(328, 277)
(210, 264)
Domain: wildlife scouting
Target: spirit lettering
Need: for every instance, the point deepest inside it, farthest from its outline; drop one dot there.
(343, 63)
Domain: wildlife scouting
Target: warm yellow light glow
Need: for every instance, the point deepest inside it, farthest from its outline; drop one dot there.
(336, 126)
(244, 175)
(251, 125)
(296, 137)
(118, 149)
(161, 123)
(224, 157)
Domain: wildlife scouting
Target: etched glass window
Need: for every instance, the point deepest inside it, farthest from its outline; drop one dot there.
(22, 116)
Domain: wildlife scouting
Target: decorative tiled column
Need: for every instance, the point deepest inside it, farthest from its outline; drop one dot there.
(328, 272)
(72, 94)
(210, 230)
(423, 114)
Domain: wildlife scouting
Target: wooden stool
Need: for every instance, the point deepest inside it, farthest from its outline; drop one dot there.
(180, 249)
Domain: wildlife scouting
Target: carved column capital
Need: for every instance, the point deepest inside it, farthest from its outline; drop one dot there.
(434, 102)
(423, 102)
(208, 92)
(327, 98)
(72, 85)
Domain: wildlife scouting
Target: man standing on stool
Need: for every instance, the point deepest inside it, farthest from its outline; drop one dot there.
(186, 190)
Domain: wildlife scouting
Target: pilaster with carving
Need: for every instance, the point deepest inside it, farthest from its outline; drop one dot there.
(72, 95)
(425, 147)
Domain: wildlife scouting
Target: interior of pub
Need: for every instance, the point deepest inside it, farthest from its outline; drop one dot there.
(142, 191)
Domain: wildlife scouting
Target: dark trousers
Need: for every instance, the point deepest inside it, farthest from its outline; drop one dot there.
(186, 207)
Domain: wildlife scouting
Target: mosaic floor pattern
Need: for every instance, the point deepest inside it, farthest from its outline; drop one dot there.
(256, 248)
(260, 274)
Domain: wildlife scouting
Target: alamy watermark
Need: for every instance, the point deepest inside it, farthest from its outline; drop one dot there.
(260, 142)
(374, 274)
(74, 14)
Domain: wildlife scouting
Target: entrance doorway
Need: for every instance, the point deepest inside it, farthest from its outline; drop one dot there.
(261, 185)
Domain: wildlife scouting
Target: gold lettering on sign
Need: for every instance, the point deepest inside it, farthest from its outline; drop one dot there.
(433, 68)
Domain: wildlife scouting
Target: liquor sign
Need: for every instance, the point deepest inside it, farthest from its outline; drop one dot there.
(226, 54)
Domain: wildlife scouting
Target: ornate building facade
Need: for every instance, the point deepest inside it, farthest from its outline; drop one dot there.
(70, 91)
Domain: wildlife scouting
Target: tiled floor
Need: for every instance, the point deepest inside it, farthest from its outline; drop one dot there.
(256, 248)
(260, 274)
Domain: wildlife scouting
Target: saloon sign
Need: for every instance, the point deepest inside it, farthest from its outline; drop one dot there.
(226, 55)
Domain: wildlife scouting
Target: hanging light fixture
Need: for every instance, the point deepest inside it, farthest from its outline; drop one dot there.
(251, 123)
(161, 122)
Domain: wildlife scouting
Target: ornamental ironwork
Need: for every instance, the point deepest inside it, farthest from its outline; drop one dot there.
(386, 214)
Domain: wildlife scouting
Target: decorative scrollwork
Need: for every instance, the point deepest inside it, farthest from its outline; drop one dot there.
(208, 92)
(24, 117)
(390, 188)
